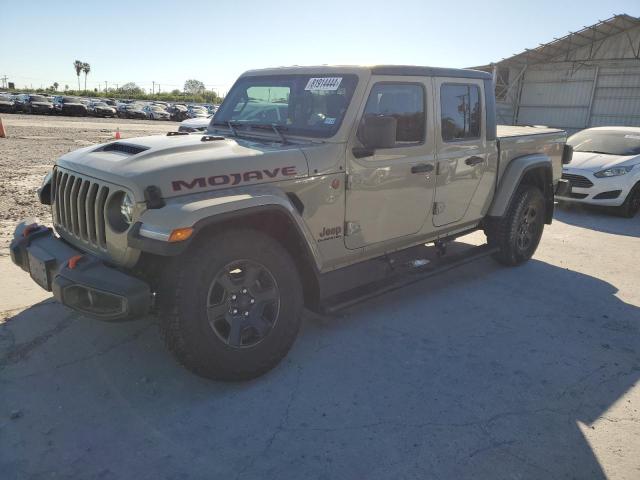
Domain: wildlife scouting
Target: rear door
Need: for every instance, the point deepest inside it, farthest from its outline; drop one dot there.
(462, 149)
(390, 192)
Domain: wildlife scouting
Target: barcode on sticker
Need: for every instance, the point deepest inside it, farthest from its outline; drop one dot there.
(324, 83)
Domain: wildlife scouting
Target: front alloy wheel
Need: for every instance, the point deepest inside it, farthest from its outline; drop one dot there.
(243, 303)
(231, 308)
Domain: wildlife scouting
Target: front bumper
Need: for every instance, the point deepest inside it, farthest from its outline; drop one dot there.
(607, 192)
(78, 280)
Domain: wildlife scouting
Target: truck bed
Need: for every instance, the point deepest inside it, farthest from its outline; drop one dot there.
(515, 141)
(505, 131)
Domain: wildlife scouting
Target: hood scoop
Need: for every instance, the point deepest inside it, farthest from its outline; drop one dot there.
(124, 148)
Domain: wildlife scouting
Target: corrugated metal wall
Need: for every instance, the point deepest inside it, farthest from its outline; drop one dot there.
(617, 96)
(554, 95)
(574, 94)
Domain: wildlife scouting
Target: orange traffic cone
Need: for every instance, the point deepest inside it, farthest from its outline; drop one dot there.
(117, 133)
(3, 134)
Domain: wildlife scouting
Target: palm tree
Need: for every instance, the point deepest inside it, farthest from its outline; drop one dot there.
(55, 86)
(78, 66)
(86, 68)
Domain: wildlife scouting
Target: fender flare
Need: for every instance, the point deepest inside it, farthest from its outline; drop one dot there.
(512, 177)
(203, 210)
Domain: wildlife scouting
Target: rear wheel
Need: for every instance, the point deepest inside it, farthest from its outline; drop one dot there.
(631, 205)
(517, 234)
(233, 308)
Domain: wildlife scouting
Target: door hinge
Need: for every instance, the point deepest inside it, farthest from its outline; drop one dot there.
(351, 228)
(348, 184)
(438, 208)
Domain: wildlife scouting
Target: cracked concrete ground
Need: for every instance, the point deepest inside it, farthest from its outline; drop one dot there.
(485, 372)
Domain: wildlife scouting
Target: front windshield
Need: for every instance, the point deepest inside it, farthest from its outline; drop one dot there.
(308, 105)
(70, 100)
(611, 142)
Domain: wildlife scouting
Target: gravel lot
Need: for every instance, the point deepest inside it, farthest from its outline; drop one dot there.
(482, 373)
(33, 144)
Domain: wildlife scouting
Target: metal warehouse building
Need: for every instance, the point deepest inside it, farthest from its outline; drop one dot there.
(587, 78)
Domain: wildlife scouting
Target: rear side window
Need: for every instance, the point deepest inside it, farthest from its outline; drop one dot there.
(460, 112)
(404, 102)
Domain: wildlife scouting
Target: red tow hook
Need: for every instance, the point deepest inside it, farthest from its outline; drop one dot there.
(73, 261)
(29, 228)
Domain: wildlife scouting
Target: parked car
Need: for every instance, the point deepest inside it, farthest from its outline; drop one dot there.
(178, 112)
(156, 112)
(132, 110)
(194, 111)
(65, 105)
(247, 226)
(101, 109)
(198, 124)
(605, 169)
(37, 104)
(7, 104)
(19, 101)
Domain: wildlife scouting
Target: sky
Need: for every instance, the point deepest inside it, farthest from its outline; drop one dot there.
(170, 41)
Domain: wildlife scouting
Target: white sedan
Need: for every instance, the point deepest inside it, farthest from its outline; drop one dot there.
(605, 168)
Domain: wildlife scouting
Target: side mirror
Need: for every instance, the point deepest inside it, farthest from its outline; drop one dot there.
(378, 131)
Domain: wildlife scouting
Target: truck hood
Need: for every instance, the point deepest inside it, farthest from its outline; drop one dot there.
(182, 164)
(599, 161)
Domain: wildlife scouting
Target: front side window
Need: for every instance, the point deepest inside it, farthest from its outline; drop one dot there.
(404, 102)
(307, 105)
(460, 112)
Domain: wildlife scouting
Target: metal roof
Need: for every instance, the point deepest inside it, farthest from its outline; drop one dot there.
(560, 47)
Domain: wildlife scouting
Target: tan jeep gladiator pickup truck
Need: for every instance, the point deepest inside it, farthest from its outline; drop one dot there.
(312, 187)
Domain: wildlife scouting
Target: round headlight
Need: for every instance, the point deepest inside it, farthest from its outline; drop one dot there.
(120, 211)
(126, 209)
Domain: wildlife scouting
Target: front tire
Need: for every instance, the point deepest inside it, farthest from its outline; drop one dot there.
(631, 205)
(232, 309)
(517, 234)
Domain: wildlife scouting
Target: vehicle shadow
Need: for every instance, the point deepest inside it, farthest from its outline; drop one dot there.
(483, 372)
(599, 219)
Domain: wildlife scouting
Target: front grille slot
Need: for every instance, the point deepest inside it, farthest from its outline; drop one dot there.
(79, 207)
(577, 180)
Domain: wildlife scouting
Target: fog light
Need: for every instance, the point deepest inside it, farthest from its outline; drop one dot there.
(93, 301)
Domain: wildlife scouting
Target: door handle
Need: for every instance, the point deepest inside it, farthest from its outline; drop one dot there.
(471, 161)
(422, 168)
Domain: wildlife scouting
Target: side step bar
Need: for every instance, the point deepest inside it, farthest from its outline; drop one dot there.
(347, 299)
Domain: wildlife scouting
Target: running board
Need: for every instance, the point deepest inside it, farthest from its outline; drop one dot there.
(347, 299)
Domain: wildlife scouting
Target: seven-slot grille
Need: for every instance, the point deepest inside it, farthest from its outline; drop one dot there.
(79, 207)
(577, 180)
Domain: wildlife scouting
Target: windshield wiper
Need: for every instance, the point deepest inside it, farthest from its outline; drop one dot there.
(276, 128)
(232, 127)
(594, 151)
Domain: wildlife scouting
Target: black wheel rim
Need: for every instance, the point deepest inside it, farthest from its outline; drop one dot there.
(243, 303)
(528, 227)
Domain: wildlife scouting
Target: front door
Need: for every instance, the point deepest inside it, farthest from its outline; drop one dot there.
(462, 149)
(390, 193)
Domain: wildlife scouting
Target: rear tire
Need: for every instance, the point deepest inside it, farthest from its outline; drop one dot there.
(517, 234)
(631, 205)
(219, 314)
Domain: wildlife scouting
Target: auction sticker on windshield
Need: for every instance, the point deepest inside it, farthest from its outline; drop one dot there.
(324, 83)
